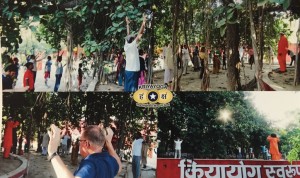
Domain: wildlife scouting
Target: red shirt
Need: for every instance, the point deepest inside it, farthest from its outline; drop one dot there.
(251, 52)
(28, 76)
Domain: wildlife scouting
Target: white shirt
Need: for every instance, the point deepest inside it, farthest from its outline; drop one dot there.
(34, 64)
(178, 144)
(132, 56)
(185, 54)
(59, 68)
(241, 52)
(137, 147)
(46, 139)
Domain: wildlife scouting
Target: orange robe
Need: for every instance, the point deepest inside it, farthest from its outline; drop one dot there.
(274, 151)
(8, 137)
(283, 44)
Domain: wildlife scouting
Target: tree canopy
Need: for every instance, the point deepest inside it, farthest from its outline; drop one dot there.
(36, 111)
(198, 119)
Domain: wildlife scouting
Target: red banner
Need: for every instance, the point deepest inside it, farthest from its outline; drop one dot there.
(200, 168)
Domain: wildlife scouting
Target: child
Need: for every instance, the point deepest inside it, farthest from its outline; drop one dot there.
(28, 79)
(80, 73)
(47, 70)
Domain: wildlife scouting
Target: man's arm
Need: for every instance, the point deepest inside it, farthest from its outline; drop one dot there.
(141, 31)
(110, 148)
(60, 168)
(112, 153)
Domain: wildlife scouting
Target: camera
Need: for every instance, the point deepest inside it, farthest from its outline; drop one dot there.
(149, 14)
(149, 17)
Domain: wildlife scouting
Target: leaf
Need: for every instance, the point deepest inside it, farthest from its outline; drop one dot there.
(121, 15)
(229, 16)
(286, 4)
(221, 23)
(262, 2)
(223, 30)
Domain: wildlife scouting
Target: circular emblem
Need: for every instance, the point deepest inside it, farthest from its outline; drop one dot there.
(141, 96)
(164, 96)
(153, 96)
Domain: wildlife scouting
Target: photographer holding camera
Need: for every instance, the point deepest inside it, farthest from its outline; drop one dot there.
(95, 163)
(132, 57)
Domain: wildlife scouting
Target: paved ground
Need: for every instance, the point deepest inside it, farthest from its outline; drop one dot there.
(40, 81)
(39, 167)
(189, 82)
(8, 165)
(218, 82)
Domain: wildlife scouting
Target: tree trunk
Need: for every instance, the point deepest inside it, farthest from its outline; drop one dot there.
(261, 39)
(297, 63)
(232, 43)
(258, 67)
(68, 73)
(151, 52)
(176, 84)
(185, 24)
(206, 78)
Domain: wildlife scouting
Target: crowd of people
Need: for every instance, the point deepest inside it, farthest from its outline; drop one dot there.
(131, 62)
(271, 152)
(95, 143)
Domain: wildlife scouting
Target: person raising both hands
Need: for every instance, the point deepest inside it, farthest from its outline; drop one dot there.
(132, 67)
(96, 162)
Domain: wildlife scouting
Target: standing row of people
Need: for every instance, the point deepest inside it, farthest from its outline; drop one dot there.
(184, 56)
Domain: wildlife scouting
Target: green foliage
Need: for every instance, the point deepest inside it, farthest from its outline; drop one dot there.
(194, 118)
(36, 111)
(285, 3)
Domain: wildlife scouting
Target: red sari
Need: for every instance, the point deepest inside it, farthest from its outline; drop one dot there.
(283, 44)
(274, 151)
(8, 137)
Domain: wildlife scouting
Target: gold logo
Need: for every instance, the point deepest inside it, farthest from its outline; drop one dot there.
(153, 96)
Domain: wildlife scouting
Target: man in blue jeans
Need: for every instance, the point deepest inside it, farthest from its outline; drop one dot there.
(96, 162)
(137, 155)
(58, 73)
(132, 58)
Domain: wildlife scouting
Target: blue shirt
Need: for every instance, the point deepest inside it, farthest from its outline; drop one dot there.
(48, 66)
(98, 165)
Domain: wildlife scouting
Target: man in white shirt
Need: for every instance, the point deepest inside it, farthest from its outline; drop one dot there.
(178, 147)
(58, 73)
(137, 155)
(45, 143)
(132, 58)
(185, 58)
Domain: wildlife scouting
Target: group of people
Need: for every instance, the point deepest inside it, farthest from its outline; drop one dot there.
(10, 76)
(96, 149)
(93, 142)
(198, 56)
(274, 151)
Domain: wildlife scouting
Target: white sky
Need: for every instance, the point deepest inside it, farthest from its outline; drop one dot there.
(278, 107)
